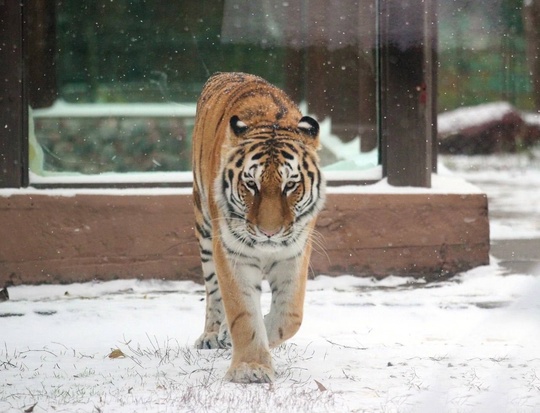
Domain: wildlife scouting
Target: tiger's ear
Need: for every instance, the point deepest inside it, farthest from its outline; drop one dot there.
(237, 126)
(309, 126)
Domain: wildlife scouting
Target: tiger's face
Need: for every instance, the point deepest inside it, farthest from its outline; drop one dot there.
(271, 188)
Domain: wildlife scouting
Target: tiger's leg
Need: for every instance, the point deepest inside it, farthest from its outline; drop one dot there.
(215, 333)
(288, 284)
(241, 291)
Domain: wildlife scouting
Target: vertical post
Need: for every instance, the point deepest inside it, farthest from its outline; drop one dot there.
(317, 57)
(430, 66)
(407, 46)
(40, 46)
(367, 75)
(13, 108)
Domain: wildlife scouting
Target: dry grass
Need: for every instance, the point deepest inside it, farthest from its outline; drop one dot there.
(152, 377)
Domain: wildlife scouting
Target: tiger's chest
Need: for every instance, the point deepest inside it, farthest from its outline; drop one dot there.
(261, 255)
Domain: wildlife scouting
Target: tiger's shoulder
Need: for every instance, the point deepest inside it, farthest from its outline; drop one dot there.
(254, 100)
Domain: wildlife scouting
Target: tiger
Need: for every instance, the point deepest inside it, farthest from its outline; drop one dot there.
(257, 191)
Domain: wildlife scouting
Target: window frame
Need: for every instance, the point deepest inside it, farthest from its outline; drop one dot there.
(407, 151)
(13, 98)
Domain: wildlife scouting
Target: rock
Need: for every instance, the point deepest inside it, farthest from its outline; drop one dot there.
(488, 128)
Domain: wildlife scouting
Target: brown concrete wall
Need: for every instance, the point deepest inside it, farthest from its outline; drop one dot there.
(417, 235)
(47, 239)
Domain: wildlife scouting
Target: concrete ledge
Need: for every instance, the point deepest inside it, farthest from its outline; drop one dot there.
(60, 239)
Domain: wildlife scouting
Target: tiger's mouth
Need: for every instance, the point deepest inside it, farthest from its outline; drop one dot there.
(252, 235)
(265, 238)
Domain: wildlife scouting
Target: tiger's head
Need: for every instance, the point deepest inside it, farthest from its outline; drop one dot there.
(271, 187)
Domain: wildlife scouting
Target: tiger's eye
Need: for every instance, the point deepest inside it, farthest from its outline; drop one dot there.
(250, 184)
(290, 185)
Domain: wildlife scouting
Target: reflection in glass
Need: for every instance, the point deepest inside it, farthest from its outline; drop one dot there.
(482, 53)
(118, 94)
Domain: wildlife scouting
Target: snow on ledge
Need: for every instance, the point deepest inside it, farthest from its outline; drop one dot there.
(470, 116)
(70, 192)
(110, 178)
(62, 109)
(440, 185)
(371, 174)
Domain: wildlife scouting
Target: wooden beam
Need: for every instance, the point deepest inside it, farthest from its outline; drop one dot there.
(107, 237)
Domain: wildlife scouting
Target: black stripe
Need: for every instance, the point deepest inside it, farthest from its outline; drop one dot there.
(307, 212)
(282, 105)
(269, 270)
(203, 232)
(234, 200)
(225, 184)
(235, 253)
(239, 162)
(242, 314)
(257, 156)
(290, 146)
(287, 155)
(197, 199)
(258, 145)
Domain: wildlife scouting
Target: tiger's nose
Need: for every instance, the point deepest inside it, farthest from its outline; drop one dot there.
(269, 232)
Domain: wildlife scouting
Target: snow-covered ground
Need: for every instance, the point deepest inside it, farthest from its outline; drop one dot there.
(469, 344)
(512, 183)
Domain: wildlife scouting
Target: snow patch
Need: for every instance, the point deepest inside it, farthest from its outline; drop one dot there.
(63, 109)
(440, 184)
(452, 121)
(365, 345)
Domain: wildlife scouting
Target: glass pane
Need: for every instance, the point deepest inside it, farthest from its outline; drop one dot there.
(482, 53)
(489, 76)
(125, 76)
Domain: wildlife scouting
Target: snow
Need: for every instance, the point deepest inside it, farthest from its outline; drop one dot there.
(467, 344)
(511, 182)
(462, 118)
(107, 178)
(440, 185)
(349, 157)
(531, 118)
(63, 109)
(70, 192)
(348, 171)
(466, 117)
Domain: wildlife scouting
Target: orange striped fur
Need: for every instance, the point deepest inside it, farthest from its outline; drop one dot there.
(257, 192)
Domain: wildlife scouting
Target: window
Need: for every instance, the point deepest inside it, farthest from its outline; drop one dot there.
(482, 53)
(112, 86)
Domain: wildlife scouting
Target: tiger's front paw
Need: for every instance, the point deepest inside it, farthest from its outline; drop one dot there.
(207, 341)
(250, 373)
(213, 340)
